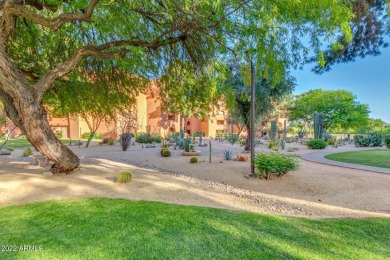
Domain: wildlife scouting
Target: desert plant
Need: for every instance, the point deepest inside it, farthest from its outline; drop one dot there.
(27, 152)
(372, 139)
(10, 149)
(318, 125)
(86, 135)
(124, 176)
(282, 144)
(269, 163)
(162, 150)
(166, 153)
(327, 136)
(273, 129)
(111, 141)
(232, 138)
(148, 138)
(330, 141)
(301, 134)
(210, 151)
(125, 140)
(200, 138)
(187, 145)
(193, 160)
(386, 140)
(317, 144)
(59, 134)
(227, 154)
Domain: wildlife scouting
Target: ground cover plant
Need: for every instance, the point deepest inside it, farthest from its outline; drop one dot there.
(378, 158)
(116, 229)
(15, 142)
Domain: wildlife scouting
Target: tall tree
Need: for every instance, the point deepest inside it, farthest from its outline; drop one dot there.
(370, 26)
(268, 94)
(44, 41)
(340, 108)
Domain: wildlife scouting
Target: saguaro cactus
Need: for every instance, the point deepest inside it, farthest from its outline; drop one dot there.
(318, 125)
(210, 152)
(200, 138)
(284, 129)
(273, 129)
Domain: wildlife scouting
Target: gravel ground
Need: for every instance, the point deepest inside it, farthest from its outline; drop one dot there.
(315, 191)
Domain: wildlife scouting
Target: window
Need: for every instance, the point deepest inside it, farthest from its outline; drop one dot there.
(171, 117)
(220, 122)
(188, 123)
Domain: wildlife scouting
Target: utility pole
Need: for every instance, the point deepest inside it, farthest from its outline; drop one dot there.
(252, 122)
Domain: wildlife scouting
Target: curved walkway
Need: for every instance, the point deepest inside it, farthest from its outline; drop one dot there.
(319, 157)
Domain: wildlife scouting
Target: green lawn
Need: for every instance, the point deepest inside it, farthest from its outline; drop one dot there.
(378, 158)
(121, 229)
(15, 143)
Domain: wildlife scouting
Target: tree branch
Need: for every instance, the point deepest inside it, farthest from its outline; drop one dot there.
(55, 23)
(102, 52)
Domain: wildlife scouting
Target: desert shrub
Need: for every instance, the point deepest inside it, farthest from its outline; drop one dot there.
(268, 163)
(386, 140)
(124, 176)
(193, 160)
(232, 138)
(317, 144)
(372, 139)
(125, 140)
(166, 153)
(330, 141)
(227, 154)
(59, 134)
(147, 138)
(111, 141)
(327, 137)
(86, 135)
(10, 149)
(27, 152)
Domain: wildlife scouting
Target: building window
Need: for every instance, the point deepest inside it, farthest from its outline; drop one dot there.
(171, 117)
(220, 122)
(188, 123)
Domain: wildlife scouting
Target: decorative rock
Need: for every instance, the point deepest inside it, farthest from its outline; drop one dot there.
(150, 146)
(5, 152)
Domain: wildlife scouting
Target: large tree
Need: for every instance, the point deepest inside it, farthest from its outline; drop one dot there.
(43, 42)
(341, 109)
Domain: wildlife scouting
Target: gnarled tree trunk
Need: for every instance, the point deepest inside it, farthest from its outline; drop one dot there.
(23, 105)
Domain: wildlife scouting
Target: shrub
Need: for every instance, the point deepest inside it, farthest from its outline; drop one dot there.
(147, 138)
(327, 137)
(317, 144)
(125, 140)
(10, 149)
(59, 134)
(268, 163)
(330, 141)
(124, 176)
(86, 135)
(111, 141)
(193, 160)
(27, 152)
(387, 141)
(372, 139)
(166, 153)
(228, 154)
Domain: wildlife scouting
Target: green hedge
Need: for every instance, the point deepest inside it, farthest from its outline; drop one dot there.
(317, 144)
(95, 136)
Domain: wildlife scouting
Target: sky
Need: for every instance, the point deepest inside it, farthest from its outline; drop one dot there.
(368, 79)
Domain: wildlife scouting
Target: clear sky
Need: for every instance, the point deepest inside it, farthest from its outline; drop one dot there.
(368, 78)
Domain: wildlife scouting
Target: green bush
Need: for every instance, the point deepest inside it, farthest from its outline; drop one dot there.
(111, 141)
(193, 160)
(330, 142)
(387, 141)
(268, 163)
(27, 152)
(124, 176)
(10, 149)
(59, 134)
(147, 138)
(317, 144)
(372, 139)
(95, 136)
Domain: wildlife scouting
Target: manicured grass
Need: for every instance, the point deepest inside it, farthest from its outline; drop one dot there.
(15, 143)
(120, 229)
(378, 158)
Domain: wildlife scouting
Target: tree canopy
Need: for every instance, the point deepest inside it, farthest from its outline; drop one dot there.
(341, 109)
(44, 42)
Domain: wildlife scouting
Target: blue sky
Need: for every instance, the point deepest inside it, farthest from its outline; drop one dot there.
(368, 78)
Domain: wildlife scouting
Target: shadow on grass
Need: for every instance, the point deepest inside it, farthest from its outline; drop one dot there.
(121, 229)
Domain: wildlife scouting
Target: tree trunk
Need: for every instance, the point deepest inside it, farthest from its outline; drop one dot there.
(24, 107)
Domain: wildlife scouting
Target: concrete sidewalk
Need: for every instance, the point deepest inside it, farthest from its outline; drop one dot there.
(319, 157)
